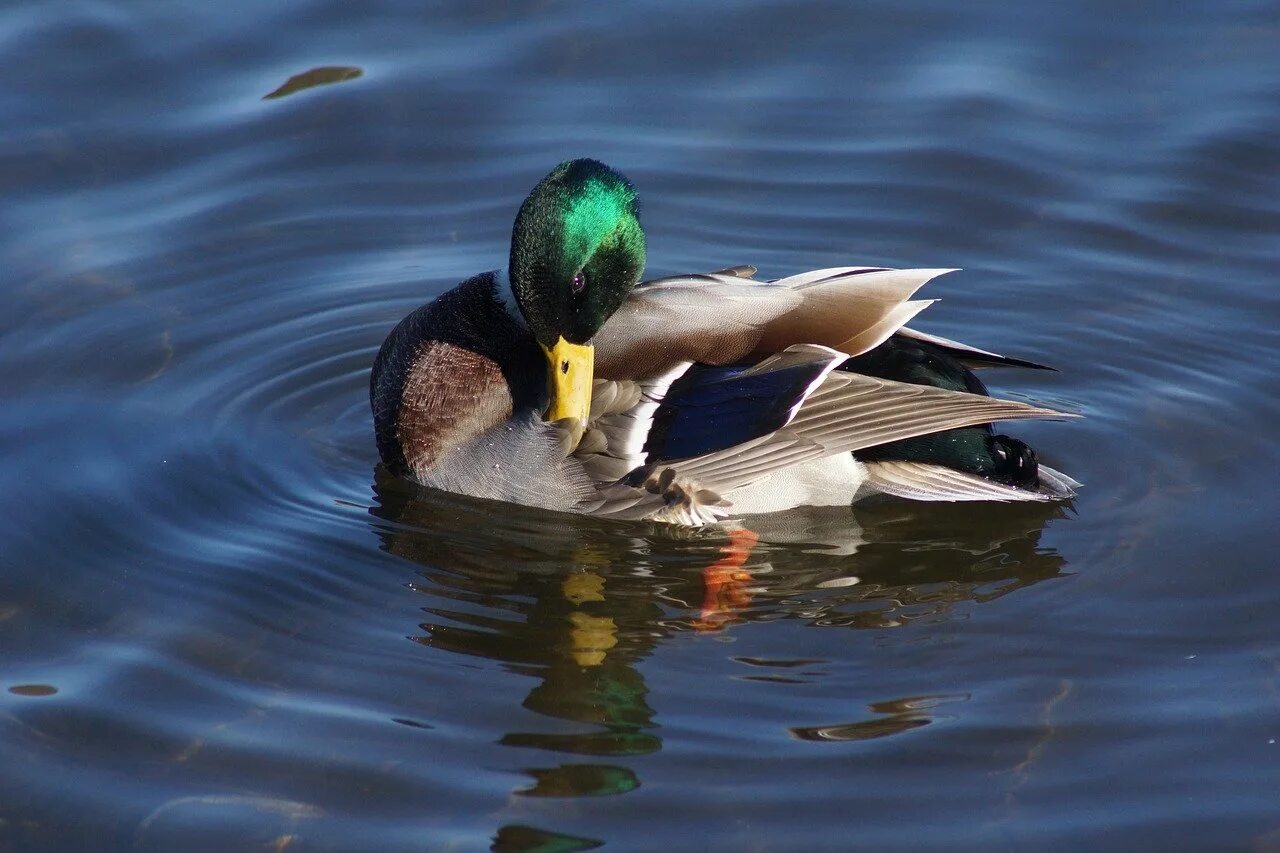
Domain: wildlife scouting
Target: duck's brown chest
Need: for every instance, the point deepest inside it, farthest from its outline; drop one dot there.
(448, 373)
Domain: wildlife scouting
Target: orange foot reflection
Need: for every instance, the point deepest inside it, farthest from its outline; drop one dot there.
(726, 582)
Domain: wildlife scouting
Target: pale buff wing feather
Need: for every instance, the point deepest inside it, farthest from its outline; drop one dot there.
(924, 482)
(879, 332)
(851, 309)
(721, 319)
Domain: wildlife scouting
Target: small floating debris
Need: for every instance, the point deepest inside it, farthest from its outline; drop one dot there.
(322, 76)
(416, 724)
(33, 689)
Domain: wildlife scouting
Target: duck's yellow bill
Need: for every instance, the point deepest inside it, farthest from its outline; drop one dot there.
(569, 373)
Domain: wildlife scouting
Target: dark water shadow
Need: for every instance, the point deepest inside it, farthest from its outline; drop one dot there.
(894, 717)
(577, 603)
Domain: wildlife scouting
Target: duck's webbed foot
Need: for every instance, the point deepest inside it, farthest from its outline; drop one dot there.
(684, 501)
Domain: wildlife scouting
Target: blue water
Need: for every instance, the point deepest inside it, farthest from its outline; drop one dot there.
(222, 628)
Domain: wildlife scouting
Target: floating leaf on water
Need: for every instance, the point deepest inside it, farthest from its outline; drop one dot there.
(33, 689)
(322, 76)
(416, 724)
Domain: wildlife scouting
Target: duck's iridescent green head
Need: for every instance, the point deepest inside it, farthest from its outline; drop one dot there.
(577, 249)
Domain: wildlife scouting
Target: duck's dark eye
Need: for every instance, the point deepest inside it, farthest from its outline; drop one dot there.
(579, 283)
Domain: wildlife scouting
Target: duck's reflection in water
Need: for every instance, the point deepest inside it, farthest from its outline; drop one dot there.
(576, 602)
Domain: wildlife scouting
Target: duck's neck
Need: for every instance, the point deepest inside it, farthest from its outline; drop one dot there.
(502, 288)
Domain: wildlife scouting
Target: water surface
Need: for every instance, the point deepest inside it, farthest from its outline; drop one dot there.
(224, 628)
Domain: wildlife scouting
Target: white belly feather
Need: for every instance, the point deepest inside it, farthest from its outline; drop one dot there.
(832, 481)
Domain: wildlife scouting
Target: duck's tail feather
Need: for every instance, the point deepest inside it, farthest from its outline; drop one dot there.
(969, 356)
(923, 481)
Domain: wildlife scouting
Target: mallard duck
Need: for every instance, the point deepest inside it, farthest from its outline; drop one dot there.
(565, 382)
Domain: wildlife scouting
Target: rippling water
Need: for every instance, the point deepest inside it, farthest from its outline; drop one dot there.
(223, 628)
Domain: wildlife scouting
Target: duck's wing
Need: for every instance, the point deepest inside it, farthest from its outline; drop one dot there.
(723, 318)
(844, 412)
(924, 482)
(971, 356)
(700, 431)
(741, 271)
